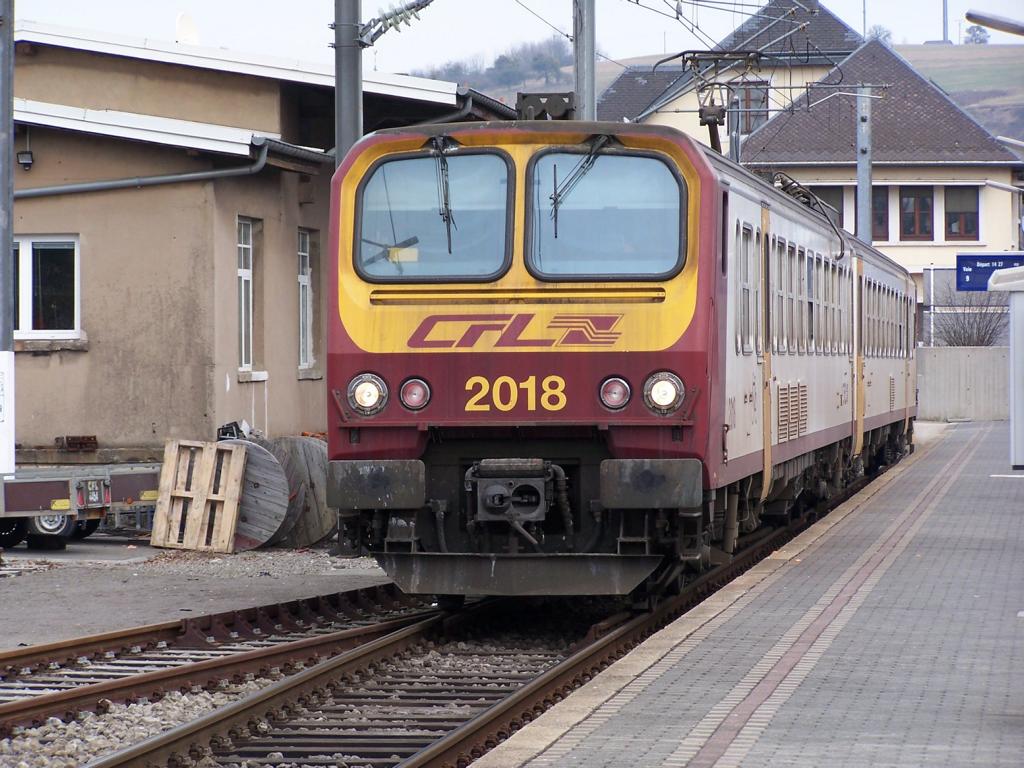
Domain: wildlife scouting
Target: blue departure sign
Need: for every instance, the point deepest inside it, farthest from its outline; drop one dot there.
(974, 269)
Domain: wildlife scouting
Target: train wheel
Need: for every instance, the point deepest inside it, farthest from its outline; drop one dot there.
(12, 531)
(85, 528)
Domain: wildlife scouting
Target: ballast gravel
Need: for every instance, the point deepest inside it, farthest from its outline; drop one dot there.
(57, 744)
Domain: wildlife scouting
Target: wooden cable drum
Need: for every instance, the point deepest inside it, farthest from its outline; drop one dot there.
(305, 463)
(296, 488)
(263, 504)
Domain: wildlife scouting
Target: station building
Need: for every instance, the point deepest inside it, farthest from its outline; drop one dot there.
(941, 182)
(170, 209)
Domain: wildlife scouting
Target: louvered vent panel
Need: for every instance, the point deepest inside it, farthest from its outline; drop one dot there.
(783, 412)
(892, 393)
(802, 417)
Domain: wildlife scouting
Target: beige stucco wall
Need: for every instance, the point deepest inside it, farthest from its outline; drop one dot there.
(159, 299)
(285, 403)
(997, 210)
(786, 84)
(145, 299)
(97, 81)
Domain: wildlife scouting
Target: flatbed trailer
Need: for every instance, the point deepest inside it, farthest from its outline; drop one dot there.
(56, 502)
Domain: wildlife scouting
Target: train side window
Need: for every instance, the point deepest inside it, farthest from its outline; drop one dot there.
(810, 304)
(779, 313)
(760, 309)
(790, 299)
(834, 281)
(725, 233)
(819, 290)
(737, 249)
(746, 291)
(801, 312)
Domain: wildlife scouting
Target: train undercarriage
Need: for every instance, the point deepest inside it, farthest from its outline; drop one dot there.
(563, 517)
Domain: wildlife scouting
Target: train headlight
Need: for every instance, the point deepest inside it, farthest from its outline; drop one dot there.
(615, 393)
(414, 394)
(367, 394)
(663, 392)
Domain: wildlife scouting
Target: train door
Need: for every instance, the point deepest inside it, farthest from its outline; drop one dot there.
(858, 353)
(765, 352)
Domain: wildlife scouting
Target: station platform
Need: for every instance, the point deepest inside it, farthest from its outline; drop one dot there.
(891, 633)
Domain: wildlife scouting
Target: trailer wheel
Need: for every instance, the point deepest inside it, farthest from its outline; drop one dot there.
(12, 531)
(60, 526)
(85, 528)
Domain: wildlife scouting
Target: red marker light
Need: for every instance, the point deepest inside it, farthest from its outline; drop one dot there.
(415, 394)
(615, 393)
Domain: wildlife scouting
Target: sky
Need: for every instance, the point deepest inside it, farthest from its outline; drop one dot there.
(460, 29)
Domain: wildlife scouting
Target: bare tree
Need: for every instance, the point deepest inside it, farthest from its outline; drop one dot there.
(881, 34)
(970, 318)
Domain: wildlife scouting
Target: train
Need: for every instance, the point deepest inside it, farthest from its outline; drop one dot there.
(587, 358)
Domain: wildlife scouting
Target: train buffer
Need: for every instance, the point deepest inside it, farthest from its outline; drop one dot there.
(890, 632)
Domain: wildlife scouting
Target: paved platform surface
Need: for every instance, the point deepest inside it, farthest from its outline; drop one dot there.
(889, 634)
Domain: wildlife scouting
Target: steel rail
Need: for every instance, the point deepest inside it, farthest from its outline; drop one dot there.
(475, 737)
(35, 709)
(309, 684)
(178, 631)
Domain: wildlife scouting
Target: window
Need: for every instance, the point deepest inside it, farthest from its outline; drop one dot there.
(961, 213)
(747, 295)
(791, 300)
(916, 213)
(880, 213)
(801, 312)
(308, 283)
(778, 319)
(429, 217)
(245, 293)
(47, 302)
(753, 106)
(621, 217)
(831, 197)
(811, 335)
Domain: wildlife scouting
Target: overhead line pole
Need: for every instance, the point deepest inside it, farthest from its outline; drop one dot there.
(6, 238)
(348, 73)
(584, 48)
(864, 163)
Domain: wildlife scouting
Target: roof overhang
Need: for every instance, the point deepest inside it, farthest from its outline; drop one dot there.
(129, 125)
(255, 65)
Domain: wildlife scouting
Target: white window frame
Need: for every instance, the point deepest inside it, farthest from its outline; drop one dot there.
(245, 275)
(306, 298)
(24, 288)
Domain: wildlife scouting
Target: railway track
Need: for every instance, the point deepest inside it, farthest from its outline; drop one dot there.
(83, 674)
(439, 690)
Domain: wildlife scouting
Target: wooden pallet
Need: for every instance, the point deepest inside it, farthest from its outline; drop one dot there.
(200, 487)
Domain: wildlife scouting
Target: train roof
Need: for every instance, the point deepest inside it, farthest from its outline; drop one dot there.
(721, 165)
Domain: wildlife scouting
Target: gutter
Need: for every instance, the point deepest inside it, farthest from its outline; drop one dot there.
(151, 181)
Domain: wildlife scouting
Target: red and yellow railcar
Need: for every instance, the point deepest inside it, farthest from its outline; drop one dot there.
(584, 358)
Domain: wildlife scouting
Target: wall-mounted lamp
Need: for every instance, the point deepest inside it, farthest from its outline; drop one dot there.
(25, 159)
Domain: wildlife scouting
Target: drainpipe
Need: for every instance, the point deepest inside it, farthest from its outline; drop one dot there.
(453, 117)
(151, 181)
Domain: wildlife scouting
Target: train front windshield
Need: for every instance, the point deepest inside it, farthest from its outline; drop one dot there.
(435, 217)
(605, 216)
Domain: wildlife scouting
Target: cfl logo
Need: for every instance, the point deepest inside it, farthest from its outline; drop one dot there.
(512, 331)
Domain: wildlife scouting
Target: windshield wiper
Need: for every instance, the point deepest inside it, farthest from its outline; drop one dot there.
(444, 199)
(581, 169)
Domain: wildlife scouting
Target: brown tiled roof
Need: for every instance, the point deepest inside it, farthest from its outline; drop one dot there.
(824, 32)
(633, 90)
(914, 122)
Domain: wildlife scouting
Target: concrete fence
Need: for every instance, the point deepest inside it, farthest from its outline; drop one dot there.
(963, 383)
